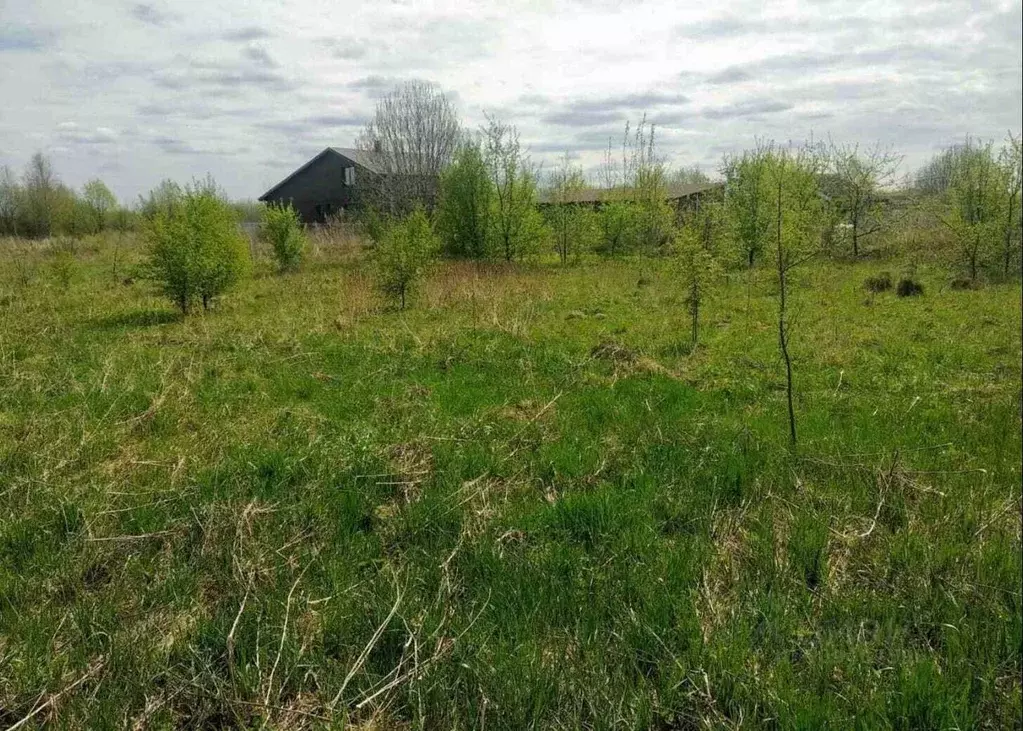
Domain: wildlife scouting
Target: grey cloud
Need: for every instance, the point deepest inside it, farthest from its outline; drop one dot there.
(732, 75)
(174, 146)
(670, 119)
(16, 38)
(72, 134)
(259, 55)
(345, 48)
(151, 15)
(227, 78)
(606, 110)
(339, 120)
(750, 108)
(582, 118)
(247, 35)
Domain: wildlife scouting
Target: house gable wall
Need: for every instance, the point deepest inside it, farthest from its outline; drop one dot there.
(319, 190)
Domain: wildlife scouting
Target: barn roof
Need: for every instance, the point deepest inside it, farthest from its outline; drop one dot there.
(363, 158)
(598, 195)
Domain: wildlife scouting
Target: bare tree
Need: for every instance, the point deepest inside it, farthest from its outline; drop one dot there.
(855, 184)
(10, 201)
(412, 137)
(40, 192)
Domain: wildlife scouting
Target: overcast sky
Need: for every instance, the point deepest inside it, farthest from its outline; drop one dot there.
(137, 92)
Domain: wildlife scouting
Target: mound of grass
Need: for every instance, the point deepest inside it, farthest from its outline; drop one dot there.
(909, 287)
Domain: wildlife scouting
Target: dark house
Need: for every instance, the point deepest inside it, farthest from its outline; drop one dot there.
(326, 185)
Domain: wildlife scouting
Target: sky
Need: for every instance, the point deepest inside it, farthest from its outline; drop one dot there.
(136, 92)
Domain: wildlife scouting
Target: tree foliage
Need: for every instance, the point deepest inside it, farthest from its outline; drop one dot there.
(746, 198)
(196, 249)
(281, 228)
(464, 215)
(695, 246)
(516, 224)
(975, 202)
(403, 254)
(99, 202)
(790, 184)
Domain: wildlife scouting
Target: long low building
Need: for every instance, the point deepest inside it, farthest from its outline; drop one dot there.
(680, 195)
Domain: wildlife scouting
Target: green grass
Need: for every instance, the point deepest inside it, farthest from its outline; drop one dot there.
(524, 502)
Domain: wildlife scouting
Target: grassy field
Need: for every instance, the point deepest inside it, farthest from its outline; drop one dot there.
(525, 502)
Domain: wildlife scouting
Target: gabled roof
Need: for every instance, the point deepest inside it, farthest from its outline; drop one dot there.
(598, 195)
(362, 158)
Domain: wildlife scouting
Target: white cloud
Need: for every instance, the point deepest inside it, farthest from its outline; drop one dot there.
(185, 87)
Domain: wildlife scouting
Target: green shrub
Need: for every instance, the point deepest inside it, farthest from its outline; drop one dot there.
(466, 204)
(879, 283)
(403, 253)
(909, 287)
(281, 228)
(196, 250)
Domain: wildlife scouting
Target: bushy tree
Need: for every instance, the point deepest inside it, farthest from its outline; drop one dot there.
(974, 208)
(617, 225)
(745, 201)
(573, 225)
(99, 202)
(403, 253)
(196, 249)
(516, 224)
(465, 212)
(935, 177)
(281, 228)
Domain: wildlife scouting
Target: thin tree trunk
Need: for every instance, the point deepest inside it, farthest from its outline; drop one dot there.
(1008, 235)
(783, 340)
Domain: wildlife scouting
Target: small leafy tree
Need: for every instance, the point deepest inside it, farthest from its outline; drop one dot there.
(617, 222)
(854, 183)
(196, 249)
(791, 193)
(746, 201)
(695, 247)
(573, 225)
(403, 253)
(281, 228)
(974, 203)
(516, 224)
(466, 204)
(100, 203)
